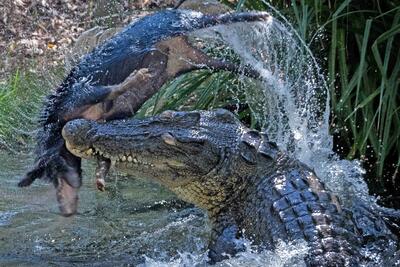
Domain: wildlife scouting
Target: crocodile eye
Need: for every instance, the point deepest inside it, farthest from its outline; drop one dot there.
(168, 114)
(248, 152)
(168, 139)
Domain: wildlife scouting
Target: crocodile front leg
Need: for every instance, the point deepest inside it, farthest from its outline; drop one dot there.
(224, 241)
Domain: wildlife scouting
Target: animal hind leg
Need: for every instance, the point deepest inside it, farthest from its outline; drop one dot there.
(97, 102)
(183, 57)
(133, 80)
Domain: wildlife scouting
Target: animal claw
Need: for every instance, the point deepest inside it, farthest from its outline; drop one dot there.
(102, 169)
(144, 73)
(101, 185)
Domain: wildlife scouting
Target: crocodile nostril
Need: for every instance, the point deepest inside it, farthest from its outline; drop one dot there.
(74, 130)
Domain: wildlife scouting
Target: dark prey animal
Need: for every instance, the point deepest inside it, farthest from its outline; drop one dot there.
(244, 182)
(114, 80)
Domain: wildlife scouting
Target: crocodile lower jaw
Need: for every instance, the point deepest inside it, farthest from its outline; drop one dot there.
(127, 159)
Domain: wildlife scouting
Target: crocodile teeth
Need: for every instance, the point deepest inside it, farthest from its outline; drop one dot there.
(130, 161)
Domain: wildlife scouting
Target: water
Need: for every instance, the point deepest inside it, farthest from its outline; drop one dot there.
(291, 104)
(121, 226)
(134, 223)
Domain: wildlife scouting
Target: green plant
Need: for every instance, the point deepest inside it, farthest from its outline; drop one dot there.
(361, 41)
(199, 90)
(20, 100)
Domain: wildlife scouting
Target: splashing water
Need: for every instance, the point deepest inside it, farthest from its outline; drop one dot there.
(291, 104)
(285, 254)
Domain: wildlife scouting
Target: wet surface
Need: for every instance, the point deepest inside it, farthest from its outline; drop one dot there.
(131, 221)
(135, 222)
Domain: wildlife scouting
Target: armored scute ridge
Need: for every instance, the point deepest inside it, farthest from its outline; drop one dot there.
(245, 183)
(114, 80)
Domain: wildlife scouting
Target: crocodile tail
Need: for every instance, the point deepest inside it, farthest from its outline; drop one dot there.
(228, 18)
(179, 4)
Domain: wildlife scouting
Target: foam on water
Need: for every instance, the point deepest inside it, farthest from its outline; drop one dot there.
(6, 216)
(285, 254)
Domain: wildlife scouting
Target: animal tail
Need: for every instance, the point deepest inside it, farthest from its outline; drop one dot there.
(229, 18)
(179, 4)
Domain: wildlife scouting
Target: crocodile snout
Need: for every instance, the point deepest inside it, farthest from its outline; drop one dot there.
(74, 132)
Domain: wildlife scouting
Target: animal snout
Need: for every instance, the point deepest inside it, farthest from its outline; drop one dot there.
(76, 130)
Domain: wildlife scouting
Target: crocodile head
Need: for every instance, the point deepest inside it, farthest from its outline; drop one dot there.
(174, 148)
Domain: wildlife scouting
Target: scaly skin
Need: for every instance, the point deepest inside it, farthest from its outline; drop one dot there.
(245, 183)
(114, 80)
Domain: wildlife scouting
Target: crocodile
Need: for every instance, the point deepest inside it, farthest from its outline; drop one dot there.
(246, 184)
(114, 80)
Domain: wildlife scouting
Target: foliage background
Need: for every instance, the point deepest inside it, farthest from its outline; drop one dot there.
(357, 43)
(359, 49)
